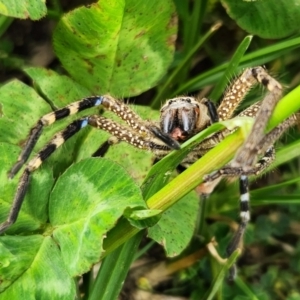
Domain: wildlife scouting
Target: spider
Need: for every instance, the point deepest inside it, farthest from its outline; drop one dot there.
(181, 118)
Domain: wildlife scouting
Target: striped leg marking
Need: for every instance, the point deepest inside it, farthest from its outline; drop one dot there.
(104, 147)
(237, 239)
(244, 199)
(147, 137)
(114, 105)
(59, 139)
(17, 202)
(48, 119)
(35, 163)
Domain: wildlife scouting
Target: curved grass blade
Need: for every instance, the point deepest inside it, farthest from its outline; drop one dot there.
(255, 58)
(221, 276)
(220, 87)
(164, 90)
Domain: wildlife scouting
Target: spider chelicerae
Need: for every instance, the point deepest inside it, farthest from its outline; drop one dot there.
(181, 118)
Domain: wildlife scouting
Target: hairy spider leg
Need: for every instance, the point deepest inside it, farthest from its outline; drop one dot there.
(245, 218)
(114, 105)
(212, 110)
(255, 145)
(236, 93)
(232, 98)
(47, 120)
(139, 133)
(248, 153)
(104, 147)
(245, 214)
(34, 164)
(269, 155)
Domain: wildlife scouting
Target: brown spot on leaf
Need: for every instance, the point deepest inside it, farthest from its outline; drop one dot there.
(171, 40)
(119, 62)
(90, 66)
(135, 67)
(173, 21)
(140, 34)
(100, 56)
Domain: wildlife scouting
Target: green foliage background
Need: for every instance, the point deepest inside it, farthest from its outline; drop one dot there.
(79, 210)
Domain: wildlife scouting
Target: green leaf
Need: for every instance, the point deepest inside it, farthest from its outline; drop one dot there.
(16, 256)
(142, 218)
(21, 107)
(286, 153)
(143, 214)
(85, 203)
(271, 194)
(123, 55)
(288, 105)
(246, 289)
(35, 266)
(34, 210)
(58, 89)
(30, 9)
(4, 24)
(19, 102)
(266, 18)
(33, 215)
(177, 225)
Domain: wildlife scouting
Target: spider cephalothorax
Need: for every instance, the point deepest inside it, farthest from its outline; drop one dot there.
(181, 118)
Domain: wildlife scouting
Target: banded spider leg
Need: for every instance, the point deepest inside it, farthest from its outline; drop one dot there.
(246, 161)
(139, 133)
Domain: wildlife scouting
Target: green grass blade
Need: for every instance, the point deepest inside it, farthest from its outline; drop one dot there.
(193, 176)
(254, 58)
(193, 25)
(114, 269)
(288, 105)
(221, 275)
(220, 87)
(247, 291)
(4, 23)
(164, 90)
(286, 154)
